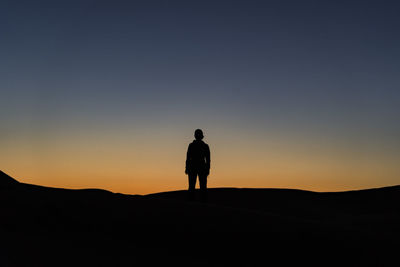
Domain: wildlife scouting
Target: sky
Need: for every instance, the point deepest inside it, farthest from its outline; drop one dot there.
(289, 94)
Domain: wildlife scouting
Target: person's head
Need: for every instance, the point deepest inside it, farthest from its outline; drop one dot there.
(198, 134)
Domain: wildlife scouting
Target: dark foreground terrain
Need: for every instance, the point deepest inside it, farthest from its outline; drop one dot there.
(41, 226)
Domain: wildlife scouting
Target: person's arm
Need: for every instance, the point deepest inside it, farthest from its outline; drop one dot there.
(208, 159)
(187, 160)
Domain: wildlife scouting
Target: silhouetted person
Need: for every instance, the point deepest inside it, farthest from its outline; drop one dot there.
(198, 164)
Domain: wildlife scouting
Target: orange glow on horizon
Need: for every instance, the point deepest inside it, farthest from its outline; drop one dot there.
(125, 166)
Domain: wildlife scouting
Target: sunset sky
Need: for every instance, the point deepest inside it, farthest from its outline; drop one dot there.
(289, 94)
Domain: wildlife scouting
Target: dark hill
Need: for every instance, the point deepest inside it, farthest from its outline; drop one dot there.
(42, 226)
(6, 181)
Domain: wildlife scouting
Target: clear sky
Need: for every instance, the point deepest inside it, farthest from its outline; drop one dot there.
(293, 94)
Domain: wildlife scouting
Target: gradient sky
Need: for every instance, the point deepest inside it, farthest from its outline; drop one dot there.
(291, 94)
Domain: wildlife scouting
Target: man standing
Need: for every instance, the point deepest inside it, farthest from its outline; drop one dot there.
(198, 164)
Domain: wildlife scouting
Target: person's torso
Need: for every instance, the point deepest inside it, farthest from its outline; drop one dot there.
(198, 152)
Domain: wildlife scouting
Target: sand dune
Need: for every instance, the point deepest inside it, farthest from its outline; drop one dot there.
(44, 226)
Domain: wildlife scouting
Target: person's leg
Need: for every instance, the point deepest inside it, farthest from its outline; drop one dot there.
(203, 186)
(192, 185)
